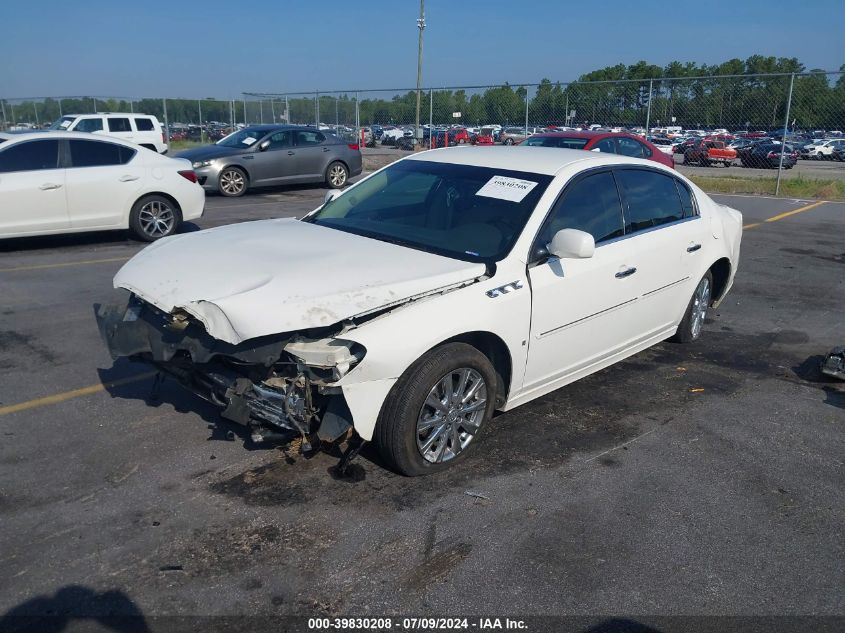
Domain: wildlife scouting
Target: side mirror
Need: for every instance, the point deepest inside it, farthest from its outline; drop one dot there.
(331, 194)
(262, 147)
(573, 244)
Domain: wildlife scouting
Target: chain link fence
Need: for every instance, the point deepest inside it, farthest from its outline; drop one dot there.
(806, 107)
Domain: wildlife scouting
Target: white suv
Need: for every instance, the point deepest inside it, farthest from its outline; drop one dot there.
(141, 129)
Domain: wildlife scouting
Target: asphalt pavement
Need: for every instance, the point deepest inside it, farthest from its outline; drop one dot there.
(699, 479)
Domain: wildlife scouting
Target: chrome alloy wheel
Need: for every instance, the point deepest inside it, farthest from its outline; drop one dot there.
(451, 415)
(232, 182)
(337, 176)
(156, 218)
(700, 302)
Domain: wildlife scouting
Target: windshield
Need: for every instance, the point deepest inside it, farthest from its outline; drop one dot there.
(556, 141)
(460, 211)
(242, 138)
(62, 123)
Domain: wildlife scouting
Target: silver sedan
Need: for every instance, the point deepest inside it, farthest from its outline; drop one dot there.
(266, 155)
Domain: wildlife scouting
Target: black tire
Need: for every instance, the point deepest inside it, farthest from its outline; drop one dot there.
(232, 182)
(396, 432)
(687, 332)
(154, 217)
(508, 141)
(337, 175)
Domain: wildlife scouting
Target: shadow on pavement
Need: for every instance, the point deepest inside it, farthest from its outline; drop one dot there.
(70, 605)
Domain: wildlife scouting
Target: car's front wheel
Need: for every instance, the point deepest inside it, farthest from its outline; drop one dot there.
(232, 182)
(153, 217)
(436, 410)
(337, 175)
(508, 141)
(690, 328)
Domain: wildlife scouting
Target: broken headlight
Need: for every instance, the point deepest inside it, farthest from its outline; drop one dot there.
(326, 360)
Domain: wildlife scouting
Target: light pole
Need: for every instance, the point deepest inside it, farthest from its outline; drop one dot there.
(421, 27)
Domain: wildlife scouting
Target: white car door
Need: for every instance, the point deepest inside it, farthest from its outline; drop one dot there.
(663, 227)
(103, 180)
(32, 188)
(583, 309)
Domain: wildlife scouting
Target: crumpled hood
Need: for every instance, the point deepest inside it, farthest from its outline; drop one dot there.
(208, 152)
(259, 278)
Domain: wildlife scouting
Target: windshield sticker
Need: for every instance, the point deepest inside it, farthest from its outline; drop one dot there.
(504, 188)
(65, 124)
(248, 140)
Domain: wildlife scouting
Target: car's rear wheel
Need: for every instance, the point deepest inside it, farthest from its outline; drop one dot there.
(690, 328)
(232, 182)
(337, 175)
(435, 412)
(153, 217)
(508, 141)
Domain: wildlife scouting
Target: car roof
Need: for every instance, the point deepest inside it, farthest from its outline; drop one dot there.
(540, 160)
(55, 134)
(585, 134)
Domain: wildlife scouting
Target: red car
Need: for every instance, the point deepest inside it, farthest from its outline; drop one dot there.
(610, 142)
(459, 135)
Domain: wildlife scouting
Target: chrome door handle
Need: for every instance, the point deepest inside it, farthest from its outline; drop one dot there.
(291, 153)
(128, 178)
(693, 247)
(47, 186)
(326, 149)
(626, 273)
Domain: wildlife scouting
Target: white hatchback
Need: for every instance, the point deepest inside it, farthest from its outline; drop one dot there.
(69, 182)
(443, 287)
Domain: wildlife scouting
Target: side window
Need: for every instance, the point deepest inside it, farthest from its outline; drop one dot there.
(96, 153)
(144, 124)
(592, 205)
(89, 125)
(646, 150)
(629, 147)
(687, 204)
(30, 156)
(606, 145)
(281, 139)
(119, 124)
(306, 138)
(652, 199)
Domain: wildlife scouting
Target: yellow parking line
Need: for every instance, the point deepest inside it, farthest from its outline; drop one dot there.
(786, 214)
(65, 265)
(69, 395)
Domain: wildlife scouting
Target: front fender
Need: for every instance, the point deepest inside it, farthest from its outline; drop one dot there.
(396, 339)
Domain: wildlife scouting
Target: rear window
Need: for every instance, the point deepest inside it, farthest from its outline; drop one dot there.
(652, 199)
(119, 124)
(556, 141)
(98, 153)
(144, 125)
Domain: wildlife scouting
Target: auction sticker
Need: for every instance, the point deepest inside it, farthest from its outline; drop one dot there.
(505, 188)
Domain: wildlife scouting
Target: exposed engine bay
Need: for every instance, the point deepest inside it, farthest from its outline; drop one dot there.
(278, 386)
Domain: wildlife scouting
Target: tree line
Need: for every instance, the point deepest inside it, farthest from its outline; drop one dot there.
(732, 94)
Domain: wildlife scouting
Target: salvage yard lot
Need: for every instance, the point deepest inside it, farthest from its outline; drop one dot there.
(688, 479)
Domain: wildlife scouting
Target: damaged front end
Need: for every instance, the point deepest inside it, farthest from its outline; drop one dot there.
(278, 386)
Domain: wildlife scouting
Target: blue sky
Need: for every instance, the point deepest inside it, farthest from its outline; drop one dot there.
(219, 49)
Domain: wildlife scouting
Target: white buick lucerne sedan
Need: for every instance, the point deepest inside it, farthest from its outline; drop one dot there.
(411, 306)
(70, 182)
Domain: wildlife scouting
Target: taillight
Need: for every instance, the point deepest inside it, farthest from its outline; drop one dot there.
(188, 174)
(354, 146)
(163, 137)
